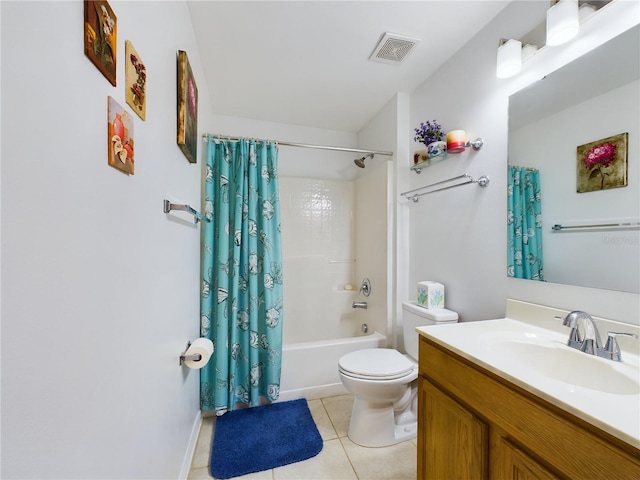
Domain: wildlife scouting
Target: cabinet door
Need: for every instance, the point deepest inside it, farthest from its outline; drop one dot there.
(516, 464)
(452, 443)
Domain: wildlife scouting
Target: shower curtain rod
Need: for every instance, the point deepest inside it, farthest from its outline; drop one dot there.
(303, 145)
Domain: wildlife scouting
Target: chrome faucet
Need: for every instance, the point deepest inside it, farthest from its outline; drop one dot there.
(589, 342)
(584, 336)
(359, 305)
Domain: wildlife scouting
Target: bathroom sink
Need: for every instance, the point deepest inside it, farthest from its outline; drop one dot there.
(570, 366)
(534, 355)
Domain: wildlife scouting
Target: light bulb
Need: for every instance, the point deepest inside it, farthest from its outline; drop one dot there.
(563, 22)
(509, 59)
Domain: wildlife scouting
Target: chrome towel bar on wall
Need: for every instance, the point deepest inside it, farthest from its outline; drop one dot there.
(620, 225)
(415, 194)
(197, 216)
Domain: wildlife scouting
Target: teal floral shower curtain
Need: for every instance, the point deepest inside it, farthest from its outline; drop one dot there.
(524, 224)
(241, 299)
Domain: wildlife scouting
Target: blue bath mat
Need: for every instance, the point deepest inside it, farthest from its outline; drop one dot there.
(261, 438)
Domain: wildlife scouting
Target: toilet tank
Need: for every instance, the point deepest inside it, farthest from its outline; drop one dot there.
(415, 316)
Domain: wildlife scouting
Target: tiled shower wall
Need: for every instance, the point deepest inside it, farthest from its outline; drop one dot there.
(318, 242)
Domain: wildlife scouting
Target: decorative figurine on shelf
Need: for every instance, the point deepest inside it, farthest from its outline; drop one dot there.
(420, 156)
(431, 135)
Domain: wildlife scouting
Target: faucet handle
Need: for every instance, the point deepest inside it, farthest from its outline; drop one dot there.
(611, 348)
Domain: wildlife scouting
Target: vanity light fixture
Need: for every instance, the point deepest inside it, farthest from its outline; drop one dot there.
(528, 50)
(511, 54)
(509, 58)
(585, 11)
(563, 22)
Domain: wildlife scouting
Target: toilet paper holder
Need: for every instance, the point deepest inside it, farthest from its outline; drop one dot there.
(183, 358)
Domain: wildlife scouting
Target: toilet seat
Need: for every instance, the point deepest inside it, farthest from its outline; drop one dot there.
(376, 364)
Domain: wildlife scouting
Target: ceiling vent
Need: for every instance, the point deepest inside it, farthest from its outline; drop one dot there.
(393, 48)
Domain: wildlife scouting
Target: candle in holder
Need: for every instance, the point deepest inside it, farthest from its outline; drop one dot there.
(456, 140)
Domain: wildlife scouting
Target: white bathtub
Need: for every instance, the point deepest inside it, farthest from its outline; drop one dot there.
(310, 369)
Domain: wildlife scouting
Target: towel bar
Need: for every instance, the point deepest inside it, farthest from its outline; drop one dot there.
(197, 216)
(483, 181)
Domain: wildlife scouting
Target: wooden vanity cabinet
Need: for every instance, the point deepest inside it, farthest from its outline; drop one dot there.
(473, 424)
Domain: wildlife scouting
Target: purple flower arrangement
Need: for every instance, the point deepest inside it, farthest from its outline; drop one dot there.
(428, 132)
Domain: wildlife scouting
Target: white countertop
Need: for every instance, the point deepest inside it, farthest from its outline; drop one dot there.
(522, 353)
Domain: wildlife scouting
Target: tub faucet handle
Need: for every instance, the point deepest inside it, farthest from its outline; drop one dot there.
(365, 288)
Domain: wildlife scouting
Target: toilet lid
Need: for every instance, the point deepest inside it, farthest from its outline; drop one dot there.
(376, 363)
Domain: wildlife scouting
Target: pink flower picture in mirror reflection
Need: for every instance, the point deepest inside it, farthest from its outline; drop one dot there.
(602, 164)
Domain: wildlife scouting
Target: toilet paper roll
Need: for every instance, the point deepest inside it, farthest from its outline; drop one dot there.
(202, 347)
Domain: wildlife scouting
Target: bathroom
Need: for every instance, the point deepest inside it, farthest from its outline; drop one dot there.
(90, 370)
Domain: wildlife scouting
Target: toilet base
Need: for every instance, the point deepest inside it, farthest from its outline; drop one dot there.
(379, 425)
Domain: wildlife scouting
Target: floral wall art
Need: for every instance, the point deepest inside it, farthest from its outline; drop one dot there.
(100, 37)
(602, 164)
(187, 109)
(135, 74)
(120, 134)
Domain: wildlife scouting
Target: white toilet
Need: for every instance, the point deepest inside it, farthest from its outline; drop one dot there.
(383, 382)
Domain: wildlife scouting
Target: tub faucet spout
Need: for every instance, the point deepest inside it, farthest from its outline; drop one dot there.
(359, 305)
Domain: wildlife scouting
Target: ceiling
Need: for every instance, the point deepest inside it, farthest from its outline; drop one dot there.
(307, 62)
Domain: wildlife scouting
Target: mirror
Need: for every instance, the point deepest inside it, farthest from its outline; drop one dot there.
(593, 98)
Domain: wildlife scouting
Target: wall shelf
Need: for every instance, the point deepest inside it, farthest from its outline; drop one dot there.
(476, 145)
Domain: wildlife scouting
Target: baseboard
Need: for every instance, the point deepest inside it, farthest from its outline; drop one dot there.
(311, 393)
(191, 447)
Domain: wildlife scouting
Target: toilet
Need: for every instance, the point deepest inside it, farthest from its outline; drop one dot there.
(384, 383)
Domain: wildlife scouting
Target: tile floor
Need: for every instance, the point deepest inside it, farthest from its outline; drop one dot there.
(340, 458)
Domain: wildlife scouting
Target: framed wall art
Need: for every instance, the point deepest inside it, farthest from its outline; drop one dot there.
(120, 134)
(100, 37)
(135, 75)
(602, 164)
(187, 109)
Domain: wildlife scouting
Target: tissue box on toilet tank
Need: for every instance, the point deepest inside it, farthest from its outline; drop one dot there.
(430, 294)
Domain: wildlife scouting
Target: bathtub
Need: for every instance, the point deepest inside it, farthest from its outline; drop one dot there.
(310, 369)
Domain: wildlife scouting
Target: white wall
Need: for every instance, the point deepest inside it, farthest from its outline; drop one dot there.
(99, 286)
(607, 259)
(458, 236)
